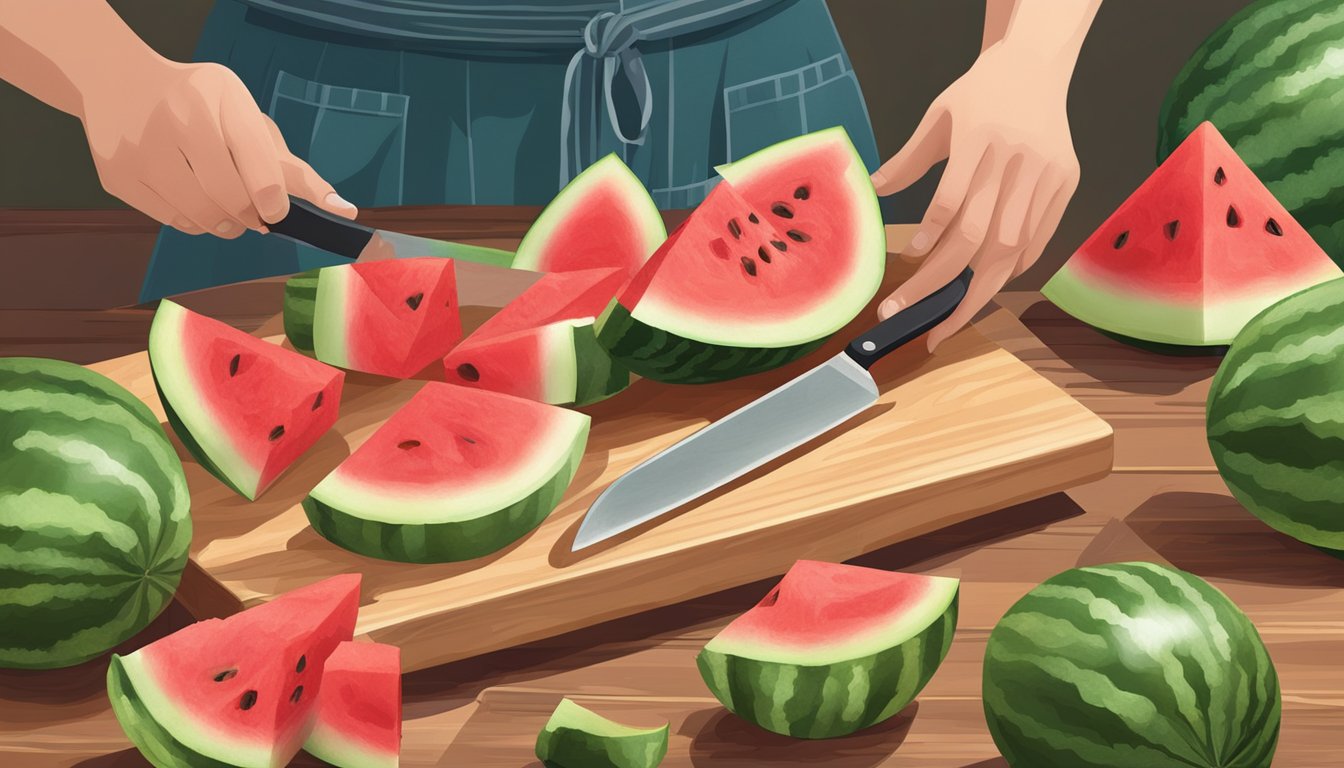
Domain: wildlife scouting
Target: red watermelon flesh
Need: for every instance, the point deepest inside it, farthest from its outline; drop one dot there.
(246, 408)
(559, 296)
(240, 690)
(357, 723)
(1195, 252)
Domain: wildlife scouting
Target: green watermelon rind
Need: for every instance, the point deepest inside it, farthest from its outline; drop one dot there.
(158, 745)
(330, 746)
(600, 375)
(826, 701)
(189, 442)
(1073, 674)
(299, 309)
(576, 737)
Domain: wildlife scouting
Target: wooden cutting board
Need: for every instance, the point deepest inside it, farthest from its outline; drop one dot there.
(957, 434)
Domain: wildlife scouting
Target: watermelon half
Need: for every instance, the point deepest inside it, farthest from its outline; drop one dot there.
(357, 722)
(832, 649)
(455, 474)
(783, 253)
(576, 737)
(245, 408)
(542, 345)
(603, 218)
(390, 318)
(238, 691)
(1197, 251)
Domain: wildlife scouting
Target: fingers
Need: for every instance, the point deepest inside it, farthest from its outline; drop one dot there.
(947, 199)
(147, 201)
(254, 154)
(210, 161)
(176, 182)
(1051, 206)
(926, 146)
(302, 181)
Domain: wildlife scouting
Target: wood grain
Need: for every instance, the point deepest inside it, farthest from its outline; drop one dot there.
(954, 435)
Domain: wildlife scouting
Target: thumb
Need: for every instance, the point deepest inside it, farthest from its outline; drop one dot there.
(303, 182)
(927, 145)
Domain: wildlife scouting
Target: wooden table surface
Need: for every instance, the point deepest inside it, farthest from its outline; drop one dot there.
(1163, 502)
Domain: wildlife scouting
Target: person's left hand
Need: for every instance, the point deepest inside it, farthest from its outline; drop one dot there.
(1011, 170)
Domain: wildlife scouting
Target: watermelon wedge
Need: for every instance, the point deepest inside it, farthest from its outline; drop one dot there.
(603, 218)
(245, 408)
(542, 345)
(576, 737)
(455, 474)
(832, 649)
(238, 691)
(357, 723)
(782, 254)
(1194, 253)
(390, 318)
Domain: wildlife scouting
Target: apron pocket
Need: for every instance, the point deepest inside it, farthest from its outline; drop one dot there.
(355, 138)
(765, 111)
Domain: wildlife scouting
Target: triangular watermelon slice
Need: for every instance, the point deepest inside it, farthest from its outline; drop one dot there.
(390, 318)
(603, 218)
(238, 691)
(245, 408)
(357, 722)
(1196, 251)
(542, 346)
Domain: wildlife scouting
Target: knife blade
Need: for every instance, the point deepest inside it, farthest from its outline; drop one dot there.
(768, 427)
(308, 224)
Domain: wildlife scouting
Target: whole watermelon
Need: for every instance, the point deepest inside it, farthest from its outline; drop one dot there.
(1130, 665)
(94, 514)
(1269, 80)
(1276, 416)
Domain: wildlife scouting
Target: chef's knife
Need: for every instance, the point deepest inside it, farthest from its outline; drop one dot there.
(772, 425)
(309, 224)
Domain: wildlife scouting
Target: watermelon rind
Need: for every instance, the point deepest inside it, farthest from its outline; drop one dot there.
(299, 309)
(329, 317)
(856, 683)
(94, 514)
(576, 737)
(330, 746)
(1129, 665)
(1273, 417)
(598, 375)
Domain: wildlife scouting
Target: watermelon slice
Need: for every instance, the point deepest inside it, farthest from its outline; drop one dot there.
(1194, 253)
(576, 737)
(603, 218)
(245, 408)
(455, 474)
(357, 723)
(238, 691)
(542, 346)
(779, 256)
(390, 318)
(832, 649)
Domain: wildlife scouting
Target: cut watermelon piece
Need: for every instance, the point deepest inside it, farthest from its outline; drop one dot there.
(455, 474)
(542, 345)
(1194, 253)
(390, 318)
(832, 649)
(779, 256)
(604, 218)
(576, 737)
(245, 408)
(238, 691)
(357, 722)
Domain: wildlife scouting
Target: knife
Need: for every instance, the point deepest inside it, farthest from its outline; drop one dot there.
(308, 224)
(772, 425)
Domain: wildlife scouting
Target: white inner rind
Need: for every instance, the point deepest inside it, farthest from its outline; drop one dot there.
(328, 744)
(331, 312)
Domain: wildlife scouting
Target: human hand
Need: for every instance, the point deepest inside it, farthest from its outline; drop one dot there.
(1011, 170)
(187, 145)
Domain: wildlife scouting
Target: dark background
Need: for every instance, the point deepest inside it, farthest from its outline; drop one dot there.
(905, 52)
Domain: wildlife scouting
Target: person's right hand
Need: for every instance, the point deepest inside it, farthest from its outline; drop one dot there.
(187, 145)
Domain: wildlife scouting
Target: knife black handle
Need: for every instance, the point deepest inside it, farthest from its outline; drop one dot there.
(910, 323)
(313, 226)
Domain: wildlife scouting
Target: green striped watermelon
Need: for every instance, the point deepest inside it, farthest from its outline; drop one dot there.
(1276, 416)
(832, 649)
(1130, 665)
(94, 514)
(1270, 80)
(576, 737)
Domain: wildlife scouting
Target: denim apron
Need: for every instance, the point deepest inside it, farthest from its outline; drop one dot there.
(422, 102)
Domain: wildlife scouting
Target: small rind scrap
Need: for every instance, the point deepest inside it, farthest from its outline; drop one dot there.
(576, 737)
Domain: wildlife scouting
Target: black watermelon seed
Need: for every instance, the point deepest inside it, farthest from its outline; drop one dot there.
(468, 439)
(277, 433)
(735, 228)
(233, 365)
(317, 401)
(248, 701)
(414, 301)
(763, 254)
(798, 235)
(1121, 239)
(1233, 220)
(297, 694)
(749, 264)
(1219, 177)
(1172, 228)
(780, 245)
(752, 218)
(468, 372)
(782, 210)
(303, 664)
(770, 599)
(227, 674)
(801, 193)
(1273, 228)
(407, 445)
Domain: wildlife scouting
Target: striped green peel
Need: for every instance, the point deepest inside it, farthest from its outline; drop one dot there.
(576, 737)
